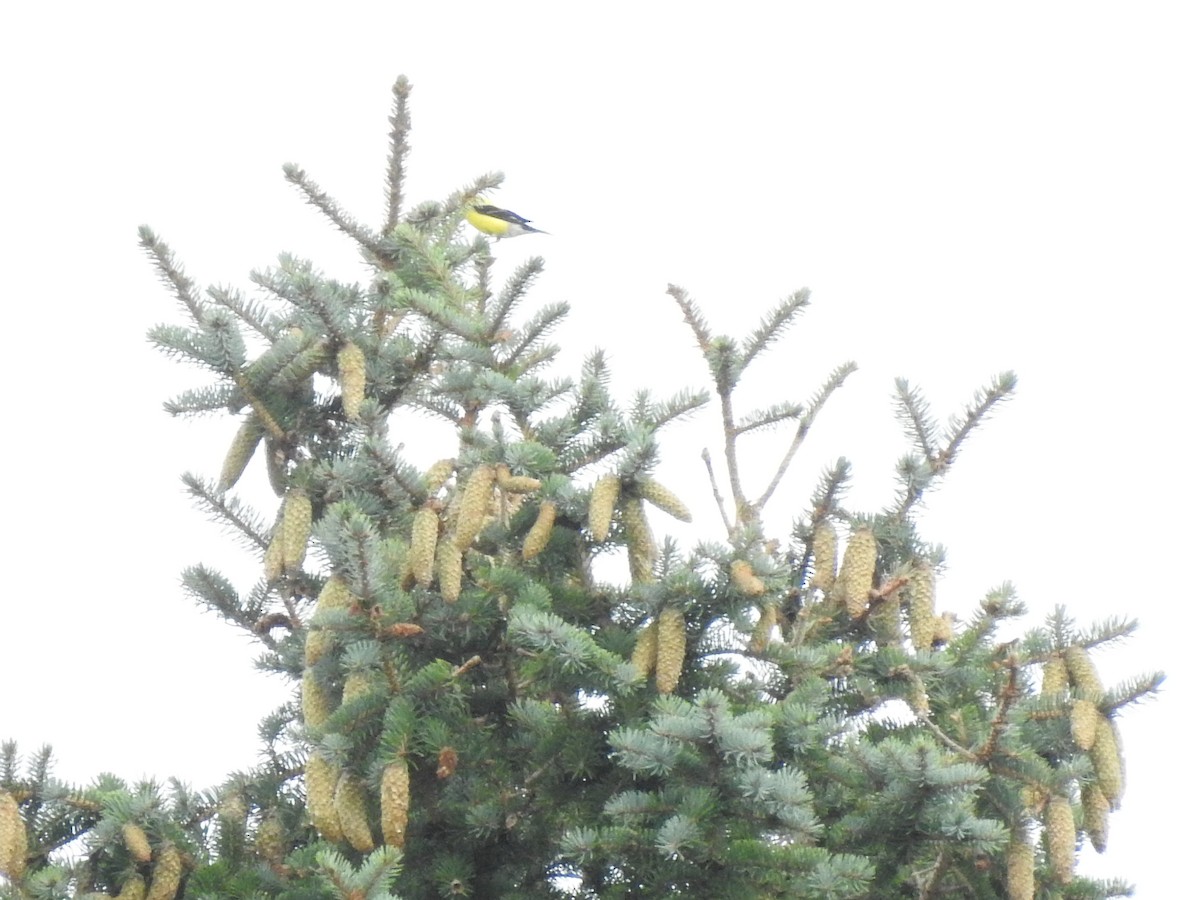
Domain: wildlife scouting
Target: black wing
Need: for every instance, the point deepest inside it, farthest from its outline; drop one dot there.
(504, 215)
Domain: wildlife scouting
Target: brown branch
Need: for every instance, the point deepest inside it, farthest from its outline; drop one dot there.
(1007, 697)
(712, 479)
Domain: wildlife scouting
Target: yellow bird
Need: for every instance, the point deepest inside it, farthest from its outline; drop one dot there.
(497, 222)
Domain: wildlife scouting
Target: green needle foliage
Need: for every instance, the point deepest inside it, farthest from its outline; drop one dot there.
(479, 714)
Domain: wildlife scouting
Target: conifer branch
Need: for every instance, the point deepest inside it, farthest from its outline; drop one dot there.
(913, 409)
(253, 313)
(225, 509)
(363, 236)
(170, 272)
(398, 154)
(270, 426)
(772, 415)
(986, 400)
(514, 291)
(201, 400)
(836, 379)
(693, 317)
(544, 320)
(774, 324)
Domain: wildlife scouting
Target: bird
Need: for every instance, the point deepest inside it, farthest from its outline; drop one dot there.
(497, 222)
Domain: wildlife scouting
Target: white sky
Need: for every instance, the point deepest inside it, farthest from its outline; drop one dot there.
(964, 190)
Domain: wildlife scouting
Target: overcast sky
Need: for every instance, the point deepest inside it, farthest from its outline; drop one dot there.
(964, 190)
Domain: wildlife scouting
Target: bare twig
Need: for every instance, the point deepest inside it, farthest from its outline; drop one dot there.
(712, 479)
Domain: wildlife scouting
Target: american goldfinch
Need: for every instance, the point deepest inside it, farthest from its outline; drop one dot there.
(497, 222)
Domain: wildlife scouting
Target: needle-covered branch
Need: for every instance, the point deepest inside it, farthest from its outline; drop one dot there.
(774, 324)
(367, 239)
(397, 152)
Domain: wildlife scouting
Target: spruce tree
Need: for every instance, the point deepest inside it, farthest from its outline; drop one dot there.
(479, 713)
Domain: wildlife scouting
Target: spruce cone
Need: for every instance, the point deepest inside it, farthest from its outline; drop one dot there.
(269, 840)
(920, 607)
(672, 645)
(437, 474)
(824, 556)
(315, 703)
(1060, 839)
(853, 586)
(245, 442)
(475, 500)
(424, 545)
(1054, 675)
(320, 782)
(1081, 670)
(743, 579)
(645, 649)
(136, 842)
(168, 872)
(516, 484)
(351, 803)
(1106, 760)
(296, 526)
(642, 549)
(450, 570)
(666, 501)
(1085, 719)
(393, 802)
(1020, 866)
(352, 375)
(14, 842)
(1095, 815)
(601, 505)
(539, 535)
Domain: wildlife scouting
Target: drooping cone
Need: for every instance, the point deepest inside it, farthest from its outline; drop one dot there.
(1060, 838)
(1095, 815)
(315, 702)
(240, 452)
(743, 579)
(645, 649)
(168, 871)
(642, 550)
(474, 502)
(269, 839)
(393, 802)
(450, 570)
(655, 493)
(352, 376)
(824, 557)
(133, 888)
(1106, 760)
(14, 842)
(852, 588)
(437, 474)
(601, 505)
(136, 842)
(516, 484)
(921, 626)
(1085, 719)
(424, 545)
(320, 782)
(1082, 671)
(672, 645)
(296, 526)
(1054, 675)
(1019, 862)
(351, 802)
(539, 534)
